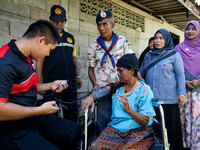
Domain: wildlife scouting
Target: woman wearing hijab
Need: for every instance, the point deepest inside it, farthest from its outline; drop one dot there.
(189, 50)
(163, 71)
(149, 47)
(132, 110)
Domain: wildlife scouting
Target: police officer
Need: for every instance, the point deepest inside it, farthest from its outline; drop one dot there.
(62, 64)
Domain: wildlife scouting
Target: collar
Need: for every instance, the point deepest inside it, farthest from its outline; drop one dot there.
(15, 49)
(61, 34)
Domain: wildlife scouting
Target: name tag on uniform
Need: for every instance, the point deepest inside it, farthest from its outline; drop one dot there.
(65, 44)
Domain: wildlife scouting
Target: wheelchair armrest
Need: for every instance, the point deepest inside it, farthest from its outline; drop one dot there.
(157, 128)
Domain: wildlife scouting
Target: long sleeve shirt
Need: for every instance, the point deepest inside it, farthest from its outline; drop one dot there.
(167, 79)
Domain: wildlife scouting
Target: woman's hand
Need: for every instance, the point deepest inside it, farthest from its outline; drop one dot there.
(86, 103)
(189, 85)
(125, 102)
(195, 82)
(181, 101)
(139, 118)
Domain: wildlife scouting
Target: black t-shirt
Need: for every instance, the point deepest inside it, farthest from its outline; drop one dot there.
(18, 80)
(59, 65)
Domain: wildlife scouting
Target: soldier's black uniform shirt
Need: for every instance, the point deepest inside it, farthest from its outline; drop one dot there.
(59, 65)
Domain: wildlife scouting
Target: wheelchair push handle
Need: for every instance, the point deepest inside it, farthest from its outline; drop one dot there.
(86, 125)
(164, 130)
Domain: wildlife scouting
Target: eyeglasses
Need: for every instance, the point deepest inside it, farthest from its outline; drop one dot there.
(120, 70)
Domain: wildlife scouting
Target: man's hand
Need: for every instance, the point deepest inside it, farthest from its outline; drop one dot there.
(93, 79)
(96, 86)
(58, 86)
(48, 108)
(181, 101)
(189, 85)
(79, 83)
(12, 111)
(89, 101)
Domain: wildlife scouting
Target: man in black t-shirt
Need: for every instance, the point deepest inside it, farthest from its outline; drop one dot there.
(61, 64)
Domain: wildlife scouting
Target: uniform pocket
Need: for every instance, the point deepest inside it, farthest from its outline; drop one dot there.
(198, 121)
(99, 55)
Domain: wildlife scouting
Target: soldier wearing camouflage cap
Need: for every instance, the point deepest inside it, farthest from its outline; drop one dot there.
(105, 51)
(103, 55)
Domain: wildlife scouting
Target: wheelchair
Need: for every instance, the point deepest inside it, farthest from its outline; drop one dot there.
(100, 122)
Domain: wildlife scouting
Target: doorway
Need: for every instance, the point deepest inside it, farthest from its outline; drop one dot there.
(176, 38)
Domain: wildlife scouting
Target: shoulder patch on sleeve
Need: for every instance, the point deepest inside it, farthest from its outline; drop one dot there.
(69, 40)
(126, 40)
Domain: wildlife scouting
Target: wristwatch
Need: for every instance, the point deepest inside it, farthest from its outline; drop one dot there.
(182, 95)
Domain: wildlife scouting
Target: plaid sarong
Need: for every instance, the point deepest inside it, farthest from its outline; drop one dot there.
(112, 139)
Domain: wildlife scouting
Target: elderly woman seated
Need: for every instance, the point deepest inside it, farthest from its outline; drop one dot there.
(132, 110)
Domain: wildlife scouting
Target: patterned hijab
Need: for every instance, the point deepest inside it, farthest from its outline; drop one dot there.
(189, 50)
(156, 55)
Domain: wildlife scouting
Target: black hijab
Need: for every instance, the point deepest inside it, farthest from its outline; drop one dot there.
(144, 52)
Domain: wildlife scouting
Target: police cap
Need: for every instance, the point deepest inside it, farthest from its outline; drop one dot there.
(58, 13)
